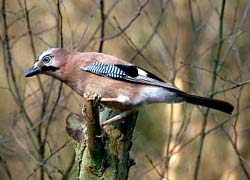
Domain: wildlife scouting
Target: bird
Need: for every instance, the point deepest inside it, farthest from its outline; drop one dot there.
(122, 85)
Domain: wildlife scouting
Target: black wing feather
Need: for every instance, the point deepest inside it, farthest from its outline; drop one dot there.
(133, 71)
(128, 70)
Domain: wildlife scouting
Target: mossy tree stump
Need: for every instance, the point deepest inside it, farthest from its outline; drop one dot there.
(101, 152)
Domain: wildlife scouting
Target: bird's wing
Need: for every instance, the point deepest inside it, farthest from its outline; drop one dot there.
(128, 73)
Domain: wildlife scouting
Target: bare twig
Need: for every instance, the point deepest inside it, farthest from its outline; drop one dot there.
(157, 25)
(165, 169)
(130, 42)
(5, 166)
(32, 44)
(209, 71)
(231, 88)
(214, 78)
(102, 25)
(47, 159)
(92, 37)
(154, 167)
(59, 25)
(130, 22)
(234, 145)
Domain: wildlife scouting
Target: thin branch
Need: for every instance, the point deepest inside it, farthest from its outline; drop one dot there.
(165, 169)
(155, 168)
(92, 37)
(51, 114)
(207, 70)
(5, 166)
(158, 23)
(214, 78)
(47, 159)
(32, 44)
(131, 44)
(59, 24)
(130, 22)
(230, 88)
(84, 32)
(191, 15)
(234, 145)
(102, 25)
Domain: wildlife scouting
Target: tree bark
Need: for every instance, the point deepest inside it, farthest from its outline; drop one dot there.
(101, 152)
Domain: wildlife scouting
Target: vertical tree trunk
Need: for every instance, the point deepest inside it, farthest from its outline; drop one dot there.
(101, 153)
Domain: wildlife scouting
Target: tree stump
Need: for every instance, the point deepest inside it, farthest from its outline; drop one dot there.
(101, 152)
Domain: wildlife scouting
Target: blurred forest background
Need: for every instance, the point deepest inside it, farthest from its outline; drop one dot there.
(200, 46)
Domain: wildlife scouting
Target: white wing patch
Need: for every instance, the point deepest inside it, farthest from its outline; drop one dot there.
(142, 72)
(123, 99)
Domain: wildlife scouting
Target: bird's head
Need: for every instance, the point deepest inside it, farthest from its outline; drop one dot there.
(48, 62)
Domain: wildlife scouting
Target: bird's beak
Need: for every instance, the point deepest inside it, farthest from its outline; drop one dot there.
(36, 69)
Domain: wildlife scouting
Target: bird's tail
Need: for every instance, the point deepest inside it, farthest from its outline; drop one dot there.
(208, 102)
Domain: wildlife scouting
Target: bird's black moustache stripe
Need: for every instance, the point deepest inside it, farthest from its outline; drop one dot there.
(49, 68)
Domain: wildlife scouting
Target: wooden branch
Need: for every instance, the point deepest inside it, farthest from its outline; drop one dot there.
(95, 144)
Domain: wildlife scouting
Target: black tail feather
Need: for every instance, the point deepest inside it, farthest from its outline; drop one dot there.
(208, 102)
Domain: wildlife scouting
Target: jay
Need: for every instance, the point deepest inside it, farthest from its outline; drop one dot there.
(121, 85)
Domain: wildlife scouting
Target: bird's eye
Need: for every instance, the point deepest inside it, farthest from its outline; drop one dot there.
(46, 59)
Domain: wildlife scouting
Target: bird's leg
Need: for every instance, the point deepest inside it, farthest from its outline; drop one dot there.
(109, 99)
(124, 114)
(117, 117)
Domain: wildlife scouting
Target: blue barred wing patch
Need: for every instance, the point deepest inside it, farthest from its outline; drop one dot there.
(128, 73)
(108, 70)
